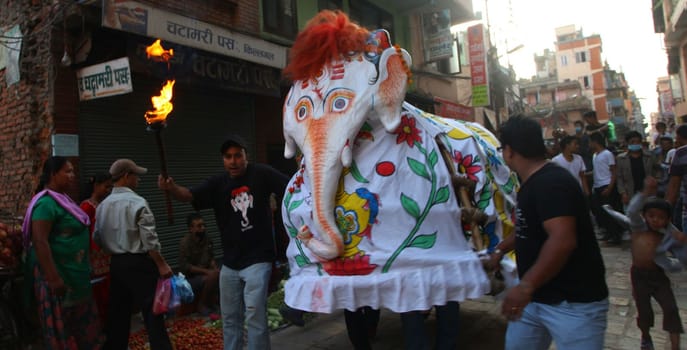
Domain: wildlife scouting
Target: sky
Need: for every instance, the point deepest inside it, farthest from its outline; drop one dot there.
(626, 28)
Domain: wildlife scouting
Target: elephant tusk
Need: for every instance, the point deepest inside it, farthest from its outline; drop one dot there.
(346, 155)
(304, 234)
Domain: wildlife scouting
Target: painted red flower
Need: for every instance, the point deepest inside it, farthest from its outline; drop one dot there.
(358, 264)
(466, 165)
(407, 132)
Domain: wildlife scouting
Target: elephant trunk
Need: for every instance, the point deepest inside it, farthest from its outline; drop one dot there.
(324, 166)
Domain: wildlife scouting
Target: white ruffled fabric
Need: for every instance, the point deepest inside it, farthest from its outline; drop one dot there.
(435, 283)
(384, 269)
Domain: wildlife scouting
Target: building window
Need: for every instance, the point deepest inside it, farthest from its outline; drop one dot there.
(279, 18)
(330, 4)
(451, 65)
(370, 16)
(580, 57)
(586, 83)
(564, 60)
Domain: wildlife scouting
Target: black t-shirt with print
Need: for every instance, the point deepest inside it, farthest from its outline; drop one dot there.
(549, 193)
(243, 213)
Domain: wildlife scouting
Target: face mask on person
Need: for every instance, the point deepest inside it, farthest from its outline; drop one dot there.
(578, 129)
(200, 234)
(634, 148)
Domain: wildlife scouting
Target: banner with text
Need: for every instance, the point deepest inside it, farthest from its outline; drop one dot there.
(453, 110)
(478, 66)
(133, 17)
(104, 79)
(204, 68)
(436, 32)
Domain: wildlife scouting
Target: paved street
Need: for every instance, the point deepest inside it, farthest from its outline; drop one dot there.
(483, 328)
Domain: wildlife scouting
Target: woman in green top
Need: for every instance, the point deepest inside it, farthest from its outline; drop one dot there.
(56, 237)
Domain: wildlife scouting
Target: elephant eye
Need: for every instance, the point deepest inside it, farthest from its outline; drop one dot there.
(339, 104)
(340, 100)
(303, 109)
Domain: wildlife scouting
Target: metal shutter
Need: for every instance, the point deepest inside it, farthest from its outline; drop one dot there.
(114, 127)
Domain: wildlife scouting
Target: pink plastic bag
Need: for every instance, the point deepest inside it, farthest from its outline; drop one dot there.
(163, 294)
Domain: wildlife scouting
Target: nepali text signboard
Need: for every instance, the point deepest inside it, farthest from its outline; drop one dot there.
(478, 66)
(448, 109)
(436, 32)
(204, 68)
(104, 79)
(131, 16)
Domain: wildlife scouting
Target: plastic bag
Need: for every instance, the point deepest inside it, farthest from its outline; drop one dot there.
(163, 294)
(175, 299)
(184, 289)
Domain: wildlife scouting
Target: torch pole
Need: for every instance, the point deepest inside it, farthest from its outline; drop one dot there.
(163, 172)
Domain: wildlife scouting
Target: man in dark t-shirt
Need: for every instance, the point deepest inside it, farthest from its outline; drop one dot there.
(240, 198)
(677, 183)
(562, 274)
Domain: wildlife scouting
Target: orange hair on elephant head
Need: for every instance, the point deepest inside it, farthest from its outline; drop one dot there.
(328, 36)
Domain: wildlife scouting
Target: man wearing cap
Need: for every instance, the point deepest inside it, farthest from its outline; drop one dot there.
(125, 228)
(240, 198)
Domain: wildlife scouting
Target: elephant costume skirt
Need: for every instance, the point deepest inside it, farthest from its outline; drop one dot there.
(396, 209)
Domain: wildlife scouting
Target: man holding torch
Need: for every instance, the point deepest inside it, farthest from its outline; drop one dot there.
(240, 198)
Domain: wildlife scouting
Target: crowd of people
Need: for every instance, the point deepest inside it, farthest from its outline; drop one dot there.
(89, 265)
(637, 178)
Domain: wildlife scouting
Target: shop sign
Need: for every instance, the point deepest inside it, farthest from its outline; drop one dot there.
(448, 109)
(436, 32)
(133, 17)
(478, 66)
(104, 79)
(196, 67)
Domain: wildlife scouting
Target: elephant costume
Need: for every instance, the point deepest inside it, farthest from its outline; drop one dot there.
(372, 213)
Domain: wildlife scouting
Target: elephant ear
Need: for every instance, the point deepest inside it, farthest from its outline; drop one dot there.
(394, 73)
(290, 146)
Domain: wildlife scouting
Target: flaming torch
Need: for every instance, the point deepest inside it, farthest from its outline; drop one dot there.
(157, 118)
(157, 53)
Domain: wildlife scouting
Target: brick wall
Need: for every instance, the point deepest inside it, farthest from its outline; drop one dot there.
(25, 107)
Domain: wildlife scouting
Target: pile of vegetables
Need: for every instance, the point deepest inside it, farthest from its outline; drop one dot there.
(10, 245)
(274, 302)
(199, 333)
(185, 334)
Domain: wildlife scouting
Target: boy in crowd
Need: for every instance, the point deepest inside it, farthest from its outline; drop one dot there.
(652, 237)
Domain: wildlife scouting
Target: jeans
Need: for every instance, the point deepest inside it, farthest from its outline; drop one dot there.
(578, 326)
(244, 292)
(415, 336)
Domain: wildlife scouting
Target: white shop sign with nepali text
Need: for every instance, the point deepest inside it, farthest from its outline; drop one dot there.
(104, 79)
(133, 17)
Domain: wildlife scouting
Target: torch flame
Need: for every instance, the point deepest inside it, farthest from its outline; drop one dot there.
(162, 104)
(158, 53)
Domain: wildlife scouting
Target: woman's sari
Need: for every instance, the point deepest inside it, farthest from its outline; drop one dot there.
(69, 321)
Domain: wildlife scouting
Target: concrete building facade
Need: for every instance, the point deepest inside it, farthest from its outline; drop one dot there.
(578, 58)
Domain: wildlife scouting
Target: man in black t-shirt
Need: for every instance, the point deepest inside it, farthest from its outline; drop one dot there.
(596, 127)
(562, 276)
(240, 198)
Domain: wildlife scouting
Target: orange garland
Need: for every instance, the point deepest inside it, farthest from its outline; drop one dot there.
(405, 64)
